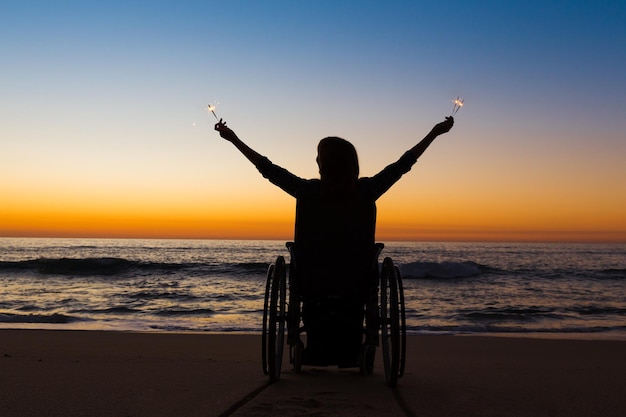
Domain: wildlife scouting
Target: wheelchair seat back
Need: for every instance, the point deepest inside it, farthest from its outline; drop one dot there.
(334, 245)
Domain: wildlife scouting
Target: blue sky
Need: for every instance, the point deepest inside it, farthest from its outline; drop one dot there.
(106, 100)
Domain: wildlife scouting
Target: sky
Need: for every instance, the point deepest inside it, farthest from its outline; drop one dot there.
(104, 128)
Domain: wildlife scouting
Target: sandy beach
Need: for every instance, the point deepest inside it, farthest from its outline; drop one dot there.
(94, 373)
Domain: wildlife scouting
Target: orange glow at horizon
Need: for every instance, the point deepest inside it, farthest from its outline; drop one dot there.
(257, 220)
(462, 202)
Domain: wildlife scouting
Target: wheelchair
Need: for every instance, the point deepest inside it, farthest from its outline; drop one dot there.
(377, 311)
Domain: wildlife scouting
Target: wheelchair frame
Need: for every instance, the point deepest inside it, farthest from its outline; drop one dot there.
(386, 318)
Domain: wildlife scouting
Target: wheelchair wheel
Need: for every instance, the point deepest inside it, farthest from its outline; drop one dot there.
(366, 359)
(298, 352)
(391, 322)
(296, 346)
(402, 322)
(273, 337)
(268, 283)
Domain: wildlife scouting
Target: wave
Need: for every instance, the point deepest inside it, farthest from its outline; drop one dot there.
(107, 266)
(599, 310)
(117, 310)
(613, 273)
(515, 314)
(163, 295)
(422, 270)
(112, 266)
(123, 310)
(186, 312)
(219, 328)
(54, 318)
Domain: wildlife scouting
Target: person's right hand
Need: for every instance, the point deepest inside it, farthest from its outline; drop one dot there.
(443, 127)
(225, 131)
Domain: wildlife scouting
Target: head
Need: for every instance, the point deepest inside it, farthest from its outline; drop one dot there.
(337, 161)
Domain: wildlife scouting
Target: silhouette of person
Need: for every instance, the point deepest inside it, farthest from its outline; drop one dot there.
(338, 166)
(335, 232)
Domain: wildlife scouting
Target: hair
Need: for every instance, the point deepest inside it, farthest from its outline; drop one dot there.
(338, 162)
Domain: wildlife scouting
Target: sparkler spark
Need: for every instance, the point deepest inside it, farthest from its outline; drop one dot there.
(458, 103)
(212, 110)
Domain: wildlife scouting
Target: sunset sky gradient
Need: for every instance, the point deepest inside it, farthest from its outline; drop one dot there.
(104, 130)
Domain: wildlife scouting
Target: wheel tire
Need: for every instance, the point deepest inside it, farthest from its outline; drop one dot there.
(298, 352)
(276, 320)
(366, 359)
(268, 283)
(402, 322)
(390, 322)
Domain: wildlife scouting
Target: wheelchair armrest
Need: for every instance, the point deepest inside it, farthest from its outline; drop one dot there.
(379, 246)
(291, 246)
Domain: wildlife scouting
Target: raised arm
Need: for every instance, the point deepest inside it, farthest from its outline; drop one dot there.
(438, 129)
(277, 175)
(381, 182)
(227, 133)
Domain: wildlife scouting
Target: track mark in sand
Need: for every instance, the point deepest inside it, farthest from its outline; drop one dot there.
(233, 408)
(402, 404)
(319, 404)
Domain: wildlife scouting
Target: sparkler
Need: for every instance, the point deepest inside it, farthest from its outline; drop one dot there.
(211, 108)
(458, 103)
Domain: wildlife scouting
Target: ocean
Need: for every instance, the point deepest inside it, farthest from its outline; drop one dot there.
(218, 286)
